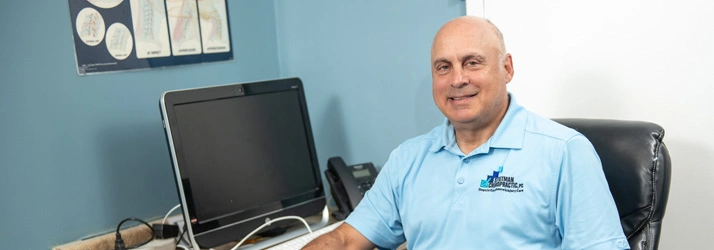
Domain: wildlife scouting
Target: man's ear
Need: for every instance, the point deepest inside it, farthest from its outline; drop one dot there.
(508, 67)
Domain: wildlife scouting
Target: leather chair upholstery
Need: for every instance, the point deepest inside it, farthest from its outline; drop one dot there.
(637, 167)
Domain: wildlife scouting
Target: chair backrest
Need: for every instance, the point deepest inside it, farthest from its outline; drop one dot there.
(637, 167)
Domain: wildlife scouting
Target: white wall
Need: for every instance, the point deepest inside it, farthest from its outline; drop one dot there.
(635, 60)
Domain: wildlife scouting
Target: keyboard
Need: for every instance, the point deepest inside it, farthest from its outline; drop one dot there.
(302, 240)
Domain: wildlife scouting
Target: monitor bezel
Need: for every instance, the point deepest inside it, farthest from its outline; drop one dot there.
(215, 232)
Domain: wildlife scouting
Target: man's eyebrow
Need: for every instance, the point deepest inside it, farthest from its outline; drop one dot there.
(464, 58)
(440, 60)
(476, 57)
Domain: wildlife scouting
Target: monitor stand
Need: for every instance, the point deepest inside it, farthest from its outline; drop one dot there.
(290, 234)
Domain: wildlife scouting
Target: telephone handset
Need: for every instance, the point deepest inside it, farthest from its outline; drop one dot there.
(348, 184)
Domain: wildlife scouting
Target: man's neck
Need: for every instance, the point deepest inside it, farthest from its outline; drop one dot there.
(471, 136)
(469, 139)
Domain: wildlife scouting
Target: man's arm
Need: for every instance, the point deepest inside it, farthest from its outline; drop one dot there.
(585, 210)
(343, 237)
(376, 216)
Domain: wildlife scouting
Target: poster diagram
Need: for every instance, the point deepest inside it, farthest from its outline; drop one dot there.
(151, 33)
(106, 4)
(90, 26)
(119, 42)
(119, 35)
(214, 26)
(183, 22)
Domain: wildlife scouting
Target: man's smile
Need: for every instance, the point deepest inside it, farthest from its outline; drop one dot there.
(461, 97)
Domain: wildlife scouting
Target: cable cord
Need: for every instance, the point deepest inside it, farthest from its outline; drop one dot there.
(268, 222)
(119, 242)
(180, 237)
(170, 211)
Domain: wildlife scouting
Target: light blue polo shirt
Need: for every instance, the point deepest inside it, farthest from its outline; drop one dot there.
(534, 184)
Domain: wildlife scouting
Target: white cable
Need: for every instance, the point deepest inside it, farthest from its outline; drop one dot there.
(267, 223)
(170, 211)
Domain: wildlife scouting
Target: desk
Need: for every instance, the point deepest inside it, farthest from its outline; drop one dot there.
(316, 221)
(137, 234)
(295, 231)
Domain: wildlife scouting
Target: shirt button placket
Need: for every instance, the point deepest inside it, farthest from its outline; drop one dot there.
(459, 187)
(461, 180)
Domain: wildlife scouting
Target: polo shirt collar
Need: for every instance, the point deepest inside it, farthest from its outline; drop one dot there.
(509, 134)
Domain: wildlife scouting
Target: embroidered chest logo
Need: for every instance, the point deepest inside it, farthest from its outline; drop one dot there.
(498, 182)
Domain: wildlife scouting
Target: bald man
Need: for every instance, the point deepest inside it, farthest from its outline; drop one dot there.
(492, 176)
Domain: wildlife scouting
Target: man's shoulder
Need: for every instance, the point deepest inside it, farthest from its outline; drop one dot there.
(408, 153)
(424, 141)
(542, 126)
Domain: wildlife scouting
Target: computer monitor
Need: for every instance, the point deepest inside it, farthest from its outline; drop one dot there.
(241, 153)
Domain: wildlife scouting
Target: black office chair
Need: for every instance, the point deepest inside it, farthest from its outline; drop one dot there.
(637, 167)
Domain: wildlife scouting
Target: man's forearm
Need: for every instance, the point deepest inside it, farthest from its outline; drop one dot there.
(343, 237)
(330, 240)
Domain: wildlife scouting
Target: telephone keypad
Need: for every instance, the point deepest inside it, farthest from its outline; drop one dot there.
(364, 186)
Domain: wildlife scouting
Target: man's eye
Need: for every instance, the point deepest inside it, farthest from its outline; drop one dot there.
(442, 67)
(472, 63)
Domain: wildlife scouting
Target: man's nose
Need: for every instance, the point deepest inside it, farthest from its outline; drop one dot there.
(459, 78)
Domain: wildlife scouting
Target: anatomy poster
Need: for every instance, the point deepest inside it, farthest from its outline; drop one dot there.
(119, 35)
(151, 33)
(214, 31)
(183, 19)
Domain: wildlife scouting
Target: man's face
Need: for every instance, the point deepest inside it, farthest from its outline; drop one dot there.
(469, 74)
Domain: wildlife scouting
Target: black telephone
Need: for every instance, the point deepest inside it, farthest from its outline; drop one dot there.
(348, 184)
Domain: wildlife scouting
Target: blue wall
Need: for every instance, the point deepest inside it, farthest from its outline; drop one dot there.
(78, 154)
(365, 65)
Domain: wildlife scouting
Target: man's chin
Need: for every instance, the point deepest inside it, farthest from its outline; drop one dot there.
(463, 119)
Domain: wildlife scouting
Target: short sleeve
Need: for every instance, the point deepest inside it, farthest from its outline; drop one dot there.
(586, 214)
(377, 215)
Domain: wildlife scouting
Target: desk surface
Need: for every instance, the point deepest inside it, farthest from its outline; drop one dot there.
(297, 226)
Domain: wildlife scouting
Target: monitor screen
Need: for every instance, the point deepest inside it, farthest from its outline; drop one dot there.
(242, 153)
